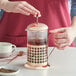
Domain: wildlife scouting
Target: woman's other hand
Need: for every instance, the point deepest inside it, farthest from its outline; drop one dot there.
(63, 37)
(21, 7)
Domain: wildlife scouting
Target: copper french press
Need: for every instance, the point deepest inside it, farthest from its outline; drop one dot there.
(37, 46)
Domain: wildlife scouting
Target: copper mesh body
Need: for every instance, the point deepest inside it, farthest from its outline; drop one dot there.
(37, 55)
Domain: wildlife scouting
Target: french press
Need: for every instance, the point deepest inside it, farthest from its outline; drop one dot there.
(37, 46)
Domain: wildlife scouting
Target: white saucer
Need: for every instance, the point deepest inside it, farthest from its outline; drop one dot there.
(11, 68)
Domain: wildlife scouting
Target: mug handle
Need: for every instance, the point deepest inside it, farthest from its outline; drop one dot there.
(13, 48)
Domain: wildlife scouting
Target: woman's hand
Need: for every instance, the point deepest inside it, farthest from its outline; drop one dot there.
(20, 7)
(63, 37)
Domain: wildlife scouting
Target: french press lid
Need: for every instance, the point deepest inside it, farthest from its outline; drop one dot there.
(37, 27)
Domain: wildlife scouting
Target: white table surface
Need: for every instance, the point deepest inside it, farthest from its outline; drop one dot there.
(62, 63)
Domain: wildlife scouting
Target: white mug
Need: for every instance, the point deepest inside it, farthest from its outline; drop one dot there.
(6, 49)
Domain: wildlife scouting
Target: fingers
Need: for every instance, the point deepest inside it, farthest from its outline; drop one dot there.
(61, 46)
(61, 41)
(61, 38)
(30, 7)
(60, 35)
(27, 8)
(21, 7)
(22, 11)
